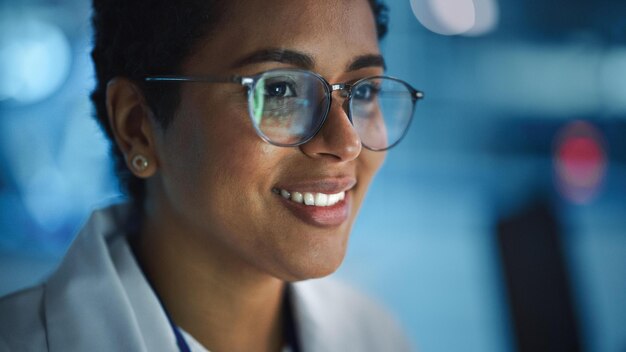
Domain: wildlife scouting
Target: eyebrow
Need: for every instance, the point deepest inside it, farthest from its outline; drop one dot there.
(292, 57)
(304, 60)
(369, 60)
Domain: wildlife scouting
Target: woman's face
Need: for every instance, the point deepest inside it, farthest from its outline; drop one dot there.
(219, 184)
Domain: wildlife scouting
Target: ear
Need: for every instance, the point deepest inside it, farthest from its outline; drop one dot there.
(132, 126)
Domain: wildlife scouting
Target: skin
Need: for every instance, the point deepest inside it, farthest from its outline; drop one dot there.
(214, 233)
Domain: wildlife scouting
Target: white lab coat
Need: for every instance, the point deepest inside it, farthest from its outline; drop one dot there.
(99, 300)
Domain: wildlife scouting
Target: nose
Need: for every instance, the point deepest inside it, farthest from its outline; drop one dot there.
(337, 139)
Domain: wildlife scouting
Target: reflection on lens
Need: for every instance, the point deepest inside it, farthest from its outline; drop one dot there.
(382, 116)
(285, 105)
(257, 105)
(289, 106)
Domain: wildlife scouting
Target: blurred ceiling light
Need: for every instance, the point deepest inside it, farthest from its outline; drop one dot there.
(35, 58)
(614, 79)
(551, 80)
(580, 161)
(454, 17)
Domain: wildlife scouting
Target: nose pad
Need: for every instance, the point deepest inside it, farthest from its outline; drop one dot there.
(344, 95)
(346, 109)
(337, 137)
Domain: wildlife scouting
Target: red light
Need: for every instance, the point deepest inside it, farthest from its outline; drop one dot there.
(580, 162)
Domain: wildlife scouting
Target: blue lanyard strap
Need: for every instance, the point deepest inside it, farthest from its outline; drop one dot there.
(289, 326)
(180, 339)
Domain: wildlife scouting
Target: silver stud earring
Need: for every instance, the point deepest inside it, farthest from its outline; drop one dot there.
(140, 163)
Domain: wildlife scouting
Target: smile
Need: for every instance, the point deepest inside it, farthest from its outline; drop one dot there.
(311, 198)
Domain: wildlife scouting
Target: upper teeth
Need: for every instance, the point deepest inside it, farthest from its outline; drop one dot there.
(313, 198)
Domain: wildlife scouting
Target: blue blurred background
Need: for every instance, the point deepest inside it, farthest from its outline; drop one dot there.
(500, 217)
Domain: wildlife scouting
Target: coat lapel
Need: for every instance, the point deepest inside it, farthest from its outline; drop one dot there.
(98, 300)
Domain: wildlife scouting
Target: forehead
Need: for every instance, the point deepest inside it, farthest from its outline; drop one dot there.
(332, 32)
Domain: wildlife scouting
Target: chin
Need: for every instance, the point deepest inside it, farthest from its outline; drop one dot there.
(314, 267)
(306, 254)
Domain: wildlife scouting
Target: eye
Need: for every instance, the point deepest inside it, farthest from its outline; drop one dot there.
(365, 91)
(280, 90)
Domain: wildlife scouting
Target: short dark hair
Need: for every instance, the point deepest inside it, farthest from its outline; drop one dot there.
(135, 38)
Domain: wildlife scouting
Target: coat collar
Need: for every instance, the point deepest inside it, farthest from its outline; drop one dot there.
(99, 300)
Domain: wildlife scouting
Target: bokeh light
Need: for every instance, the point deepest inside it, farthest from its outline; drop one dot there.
(455, 17)
(580, 162)
(445, 17)
(487, 16)
(35, 59)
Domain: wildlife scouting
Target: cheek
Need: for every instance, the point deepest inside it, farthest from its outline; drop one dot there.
(215, 165)
(215, 162)
(369, 164)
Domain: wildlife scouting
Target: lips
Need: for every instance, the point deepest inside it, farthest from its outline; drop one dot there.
(325, 202)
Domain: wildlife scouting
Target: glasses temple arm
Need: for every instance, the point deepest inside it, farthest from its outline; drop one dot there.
(209, 79)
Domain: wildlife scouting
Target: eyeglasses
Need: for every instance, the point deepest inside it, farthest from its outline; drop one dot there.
(288, 107)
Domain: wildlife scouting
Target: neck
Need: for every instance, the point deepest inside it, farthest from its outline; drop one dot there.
(223, 303)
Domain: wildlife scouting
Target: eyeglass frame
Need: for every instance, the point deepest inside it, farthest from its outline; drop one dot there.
(250, 81)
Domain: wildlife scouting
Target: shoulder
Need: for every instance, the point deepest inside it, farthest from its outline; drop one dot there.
(350, 319)
(86, 271)
(22, 321)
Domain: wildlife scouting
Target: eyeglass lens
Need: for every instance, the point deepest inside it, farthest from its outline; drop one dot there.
(381, 110)
(287, 108)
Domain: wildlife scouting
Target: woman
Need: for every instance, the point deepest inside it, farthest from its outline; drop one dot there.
(245, 168)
